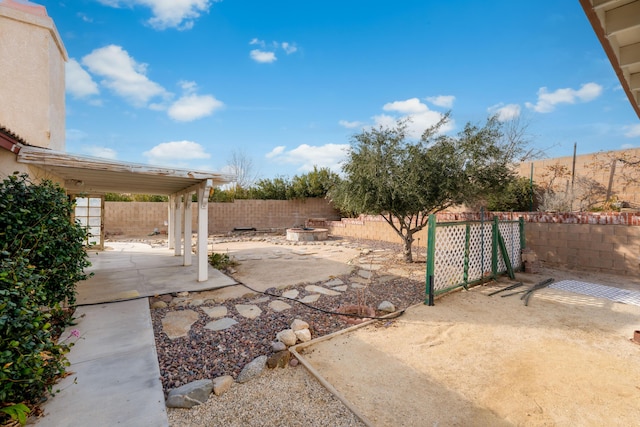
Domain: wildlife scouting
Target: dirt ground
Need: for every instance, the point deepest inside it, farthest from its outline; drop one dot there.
(473, 359)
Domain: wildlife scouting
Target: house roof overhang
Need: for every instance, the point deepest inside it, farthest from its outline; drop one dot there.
(617, 25)
(90, 175)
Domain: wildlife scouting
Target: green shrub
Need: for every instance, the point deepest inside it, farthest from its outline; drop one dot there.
(221, 261)
(41, 259)
(35, 224)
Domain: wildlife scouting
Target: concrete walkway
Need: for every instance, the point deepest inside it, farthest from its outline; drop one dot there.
(115, 379)
(114, 375)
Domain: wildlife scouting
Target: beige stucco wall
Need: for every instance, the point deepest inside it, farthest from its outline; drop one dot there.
(585, 167)
(32, 59)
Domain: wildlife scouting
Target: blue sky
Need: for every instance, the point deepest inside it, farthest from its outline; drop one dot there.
(287, 83)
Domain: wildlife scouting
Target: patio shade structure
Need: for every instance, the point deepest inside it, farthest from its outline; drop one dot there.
(89, 175)
(617, 25)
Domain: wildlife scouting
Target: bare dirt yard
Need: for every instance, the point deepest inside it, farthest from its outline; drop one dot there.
(565, 359)
(472, 359)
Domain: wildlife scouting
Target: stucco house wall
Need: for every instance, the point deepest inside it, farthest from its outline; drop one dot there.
(32, 68)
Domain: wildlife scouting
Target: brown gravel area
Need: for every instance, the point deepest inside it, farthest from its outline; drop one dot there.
(209, 354)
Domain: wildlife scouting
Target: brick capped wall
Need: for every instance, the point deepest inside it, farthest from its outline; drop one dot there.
(606, 242)
(141, 218)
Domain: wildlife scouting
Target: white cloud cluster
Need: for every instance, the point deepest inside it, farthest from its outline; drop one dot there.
(266, 54)
(444, 101)
(122, 74)
(176, 153)
(125, 77)
(547, 101)
(350, 125)
(418, 114)
(179, 14)
(307, 156)
(504, 112)
(78, 82)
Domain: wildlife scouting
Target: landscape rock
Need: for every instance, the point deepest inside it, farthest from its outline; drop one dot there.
(277, 346)
(299, 324)
(176, 324)
(159, 304)
(334, 282)
(287, 336)
(249, 311)
(303, 335)
(215, 312)
(222, 384)
(279, 359)
(190, 395)
(279, 306)
(310, 298)
(220, 324)
(387, 307)
(293, 362)
(321, 290)
(291, 293)
(252, 369)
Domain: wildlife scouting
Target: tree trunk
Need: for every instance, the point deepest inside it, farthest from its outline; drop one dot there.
(406, 251)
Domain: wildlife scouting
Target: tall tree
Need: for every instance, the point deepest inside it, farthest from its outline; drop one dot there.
(405, 181)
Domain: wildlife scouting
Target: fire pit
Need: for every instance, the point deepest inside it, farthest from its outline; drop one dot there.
(306, 234)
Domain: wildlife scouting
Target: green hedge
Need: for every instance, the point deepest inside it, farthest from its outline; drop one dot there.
(41, 260)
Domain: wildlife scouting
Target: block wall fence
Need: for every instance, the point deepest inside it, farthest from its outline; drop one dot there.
(141, 218)
(606, 242)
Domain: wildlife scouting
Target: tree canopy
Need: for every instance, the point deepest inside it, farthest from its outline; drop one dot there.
(405, 181)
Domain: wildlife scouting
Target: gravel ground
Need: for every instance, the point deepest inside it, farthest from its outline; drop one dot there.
(275, 397)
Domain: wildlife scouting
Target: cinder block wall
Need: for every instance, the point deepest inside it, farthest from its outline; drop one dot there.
(608, 248)
(140, 218)
(605, 242)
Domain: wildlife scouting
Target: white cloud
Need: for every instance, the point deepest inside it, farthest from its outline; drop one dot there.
(78, 82)
(275, 152)
(626, 146)
(289, 48)
(505, 112)
(419, 117)
(102, 152)
(350, 125)
(307, 156)
(193, 107)
(176, 153)
(445, 101)
(262, 56)
(123, 75)
(547, 101)
(410, 106)
(178, 14)
(632, 131)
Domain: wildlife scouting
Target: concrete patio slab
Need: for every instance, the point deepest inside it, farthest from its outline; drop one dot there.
(115, 379)
(128, 270)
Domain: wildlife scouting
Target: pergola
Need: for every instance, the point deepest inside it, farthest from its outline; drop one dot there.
(617, 25)
(89, 175)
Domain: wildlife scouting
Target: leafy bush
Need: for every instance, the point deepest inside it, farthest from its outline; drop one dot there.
(35, 224)
(41, 259)
(221, 261)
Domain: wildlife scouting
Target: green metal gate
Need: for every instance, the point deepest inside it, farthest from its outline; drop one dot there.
(464, 253)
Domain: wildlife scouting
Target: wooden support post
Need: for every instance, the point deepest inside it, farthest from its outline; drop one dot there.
(178, 225)
(171, 225)
(203, 230)
(187, 229)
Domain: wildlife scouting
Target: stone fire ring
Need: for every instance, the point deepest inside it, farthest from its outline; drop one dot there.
(307, 234)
